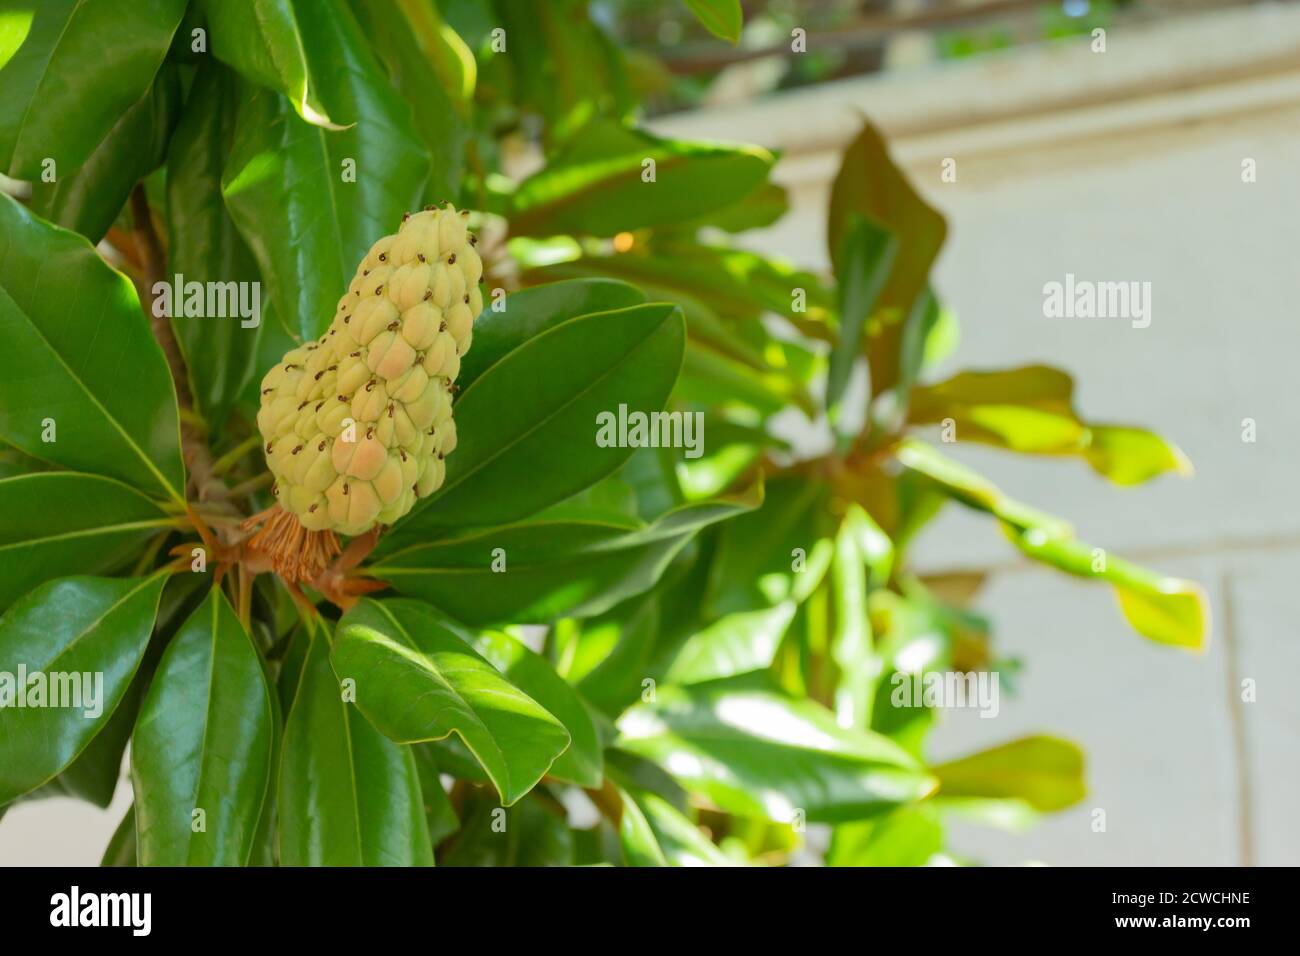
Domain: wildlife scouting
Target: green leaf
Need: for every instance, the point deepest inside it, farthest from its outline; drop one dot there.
(737, 644)
(869, 185)
(79, 636)
(415, 680)
(576, 372)
(860, 544)
(440, 816)
(204, 246)
(268, 41)
(908, 836)
(529, 833)
(58, 523)
(596, 187)
(1044, 772)
(70, 69)
(551, 568)
(120, 851)
(284, 182)
(759, 754)
(866, 263)
(202, 747)
(1166, 610)
(583, 763)
(655, 833)
(87, 198)
(349, 796)
(775, 553)
(108, 393)
(1030, 409)
(395, 30)
(530, 312)
(722, 18)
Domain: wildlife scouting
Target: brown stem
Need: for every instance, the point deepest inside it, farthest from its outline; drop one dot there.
(207, 487)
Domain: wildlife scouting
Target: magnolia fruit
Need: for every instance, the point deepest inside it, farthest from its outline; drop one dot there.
(357, 424)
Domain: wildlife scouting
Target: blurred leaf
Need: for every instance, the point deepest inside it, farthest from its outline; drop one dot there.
(530, 312)
(551, 568)
(865, 264)
(526, 834)
(1044, 772)
(415, 681)
(760, 754)
(655, 833)
(58, 523)
(722, 18)
(267, 41)
(120, 851)
(203, 742)
(88, 197)
(439, 814)
(284, 184)
(595, 186)
(576, 372)
(349, 796)
(773, 554)
(908, 836)
(109, 395)
(737, 644)
(70, 70)
(1030, 409)
(203, 245)
(863, 554)
(1167, 610)
(869, 185)
(67, 632)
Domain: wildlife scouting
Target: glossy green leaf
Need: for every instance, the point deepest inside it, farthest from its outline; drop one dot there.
(583, 763)
(530, 312)
(415, 681)
(202, 749)
(550, 568)
(204, 246)
(58, 523)
(1044, 772)
(598, 185)
(440, 816)
(866, 263)
(759, 754)
(268, 41)
(398, 40)
(70, 69)
(68, 653)
(87, 198)
(1163, 609)
(1030, 409)
(737, 644)
(576, 372)
(108, 394)
(722, 18)
(348, 795)
(288, 186)
(655, 833)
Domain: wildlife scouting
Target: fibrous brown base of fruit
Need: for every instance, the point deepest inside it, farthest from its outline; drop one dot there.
(295, 553)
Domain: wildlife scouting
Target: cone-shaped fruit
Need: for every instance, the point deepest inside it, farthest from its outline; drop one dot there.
(356, 424)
